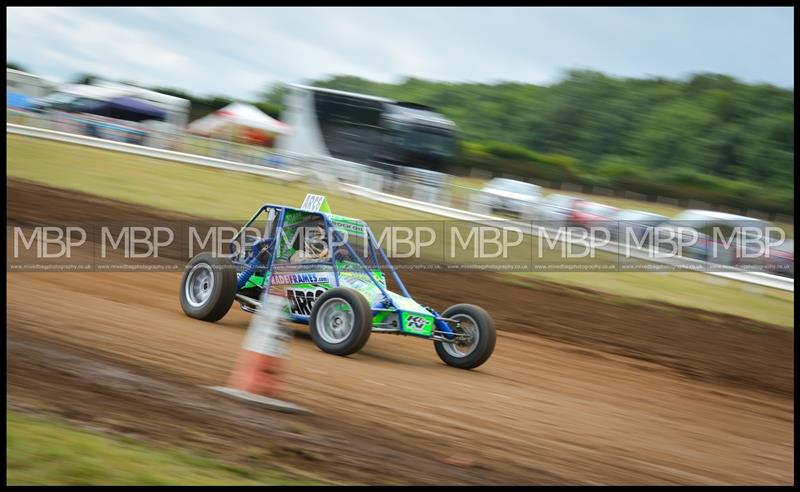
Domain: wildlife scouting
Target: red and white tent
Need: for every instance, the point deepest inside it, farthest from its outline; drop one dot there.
(237, 117)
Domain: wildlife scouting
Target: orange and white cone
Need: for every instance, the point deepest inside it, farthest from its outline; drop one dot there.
(257, 375)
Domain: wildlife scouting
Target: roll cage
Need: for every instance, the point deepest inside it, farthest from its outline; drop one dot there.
(334, 236)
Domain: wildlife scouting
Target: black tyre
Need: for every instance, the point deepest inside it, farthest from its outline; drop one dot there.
(341, 321)
(475, 321)
(208, 287)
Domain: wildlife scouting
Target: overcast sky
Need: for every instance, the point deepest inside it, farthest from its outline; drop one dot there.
(239, 51)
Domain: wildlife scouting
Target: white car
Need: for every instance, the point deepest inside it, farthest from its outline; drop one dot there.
(509, 196)
(635, 225)
(716, 234)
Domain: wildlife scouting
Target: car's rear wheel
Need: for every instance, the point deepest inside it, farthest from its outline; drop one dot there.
(341, 321)
(208, 287)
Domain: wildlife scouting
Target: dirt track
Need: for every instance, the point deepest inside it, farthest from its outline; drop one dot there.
(582, 388)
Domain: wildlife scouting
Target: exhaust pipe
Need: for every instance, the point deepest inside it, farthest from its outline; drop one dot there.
(248, 300)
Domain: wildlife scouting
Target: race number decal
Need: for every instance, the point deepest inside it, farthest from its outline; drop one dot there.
(315, 203)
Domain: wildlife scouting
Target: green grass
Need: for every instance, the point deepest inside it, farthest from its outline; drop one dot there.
(46, 452)
(207, 192)
(195, 190)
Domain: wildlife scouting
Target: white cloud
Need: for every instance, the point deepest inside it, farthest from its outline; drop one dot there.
(91, 43)
(237, 51)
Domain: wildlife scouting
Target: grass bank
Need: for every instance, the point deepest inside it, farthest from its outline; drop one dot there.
(41, 451)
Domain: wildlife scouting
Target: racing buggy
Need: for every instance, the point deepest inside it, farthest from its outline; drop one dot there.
(328, 271)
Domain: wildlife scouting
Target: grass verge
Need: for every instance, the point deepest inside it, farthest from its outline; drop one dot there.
(46, 452)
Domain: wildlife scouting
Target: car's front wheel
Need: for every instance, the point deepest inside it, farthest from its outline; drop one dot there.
(341, 321)
(476, 337)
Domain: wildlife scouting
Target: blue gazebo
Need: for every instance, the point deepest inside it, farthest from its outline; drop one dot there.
(16, 100)
(127, 108)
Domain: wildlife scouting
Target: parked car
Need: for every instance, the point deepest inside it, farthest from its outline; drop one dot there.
(512, 197)
(717, 242)
(775, 257)
(588, 214)
(634, 225)
(554, 210)
(782, 262)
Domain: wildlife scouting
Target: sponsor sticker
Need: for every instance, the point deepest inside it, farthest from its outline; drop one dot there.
(350, 226)
(301, 278)
(417, 324)
(301, 301)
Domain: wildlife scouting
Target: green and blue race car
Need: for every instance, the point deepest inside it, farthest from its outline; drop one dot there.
(329, 272)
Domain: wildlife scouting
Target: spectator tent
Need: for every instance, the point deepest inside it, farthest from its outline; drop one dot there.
(17, 100)
(239, 120)
(127, 108)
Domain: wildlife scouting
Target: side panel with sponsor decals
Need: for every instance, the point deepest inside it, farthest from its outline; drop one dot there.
(301, 290)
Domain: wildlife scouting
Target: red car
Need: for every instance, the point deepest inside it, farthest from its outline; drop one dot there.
(588, 214)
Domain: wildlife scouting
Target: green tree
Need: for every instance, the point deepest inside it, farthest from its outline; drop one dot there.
(15, 66)
(84, 78)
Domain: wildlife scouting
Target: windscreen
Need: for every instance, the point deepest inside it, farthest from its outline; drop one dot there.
(350, 125)
(515, 187)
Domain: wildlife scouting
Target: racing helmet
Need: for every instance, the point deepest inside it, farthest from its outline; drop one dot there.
(315, 242)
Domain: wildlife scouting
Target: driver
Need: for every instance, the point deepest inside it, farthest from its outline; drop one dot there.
(314, 245)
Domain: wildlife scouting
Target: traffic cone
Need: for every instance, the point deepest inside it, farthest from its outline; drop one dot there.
(256, 377)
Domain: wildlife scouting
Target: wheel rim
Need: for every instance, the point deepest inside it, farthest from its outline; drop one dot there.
(335, 321)
(199, 285)
(469, 327)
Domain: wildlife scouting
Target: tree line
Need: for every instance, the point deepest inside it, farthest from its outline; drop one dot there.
(707, 136)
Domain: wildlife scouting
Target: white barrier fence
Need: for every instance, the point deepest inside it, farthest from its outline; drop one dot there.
(281, 174)
(361, 180)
